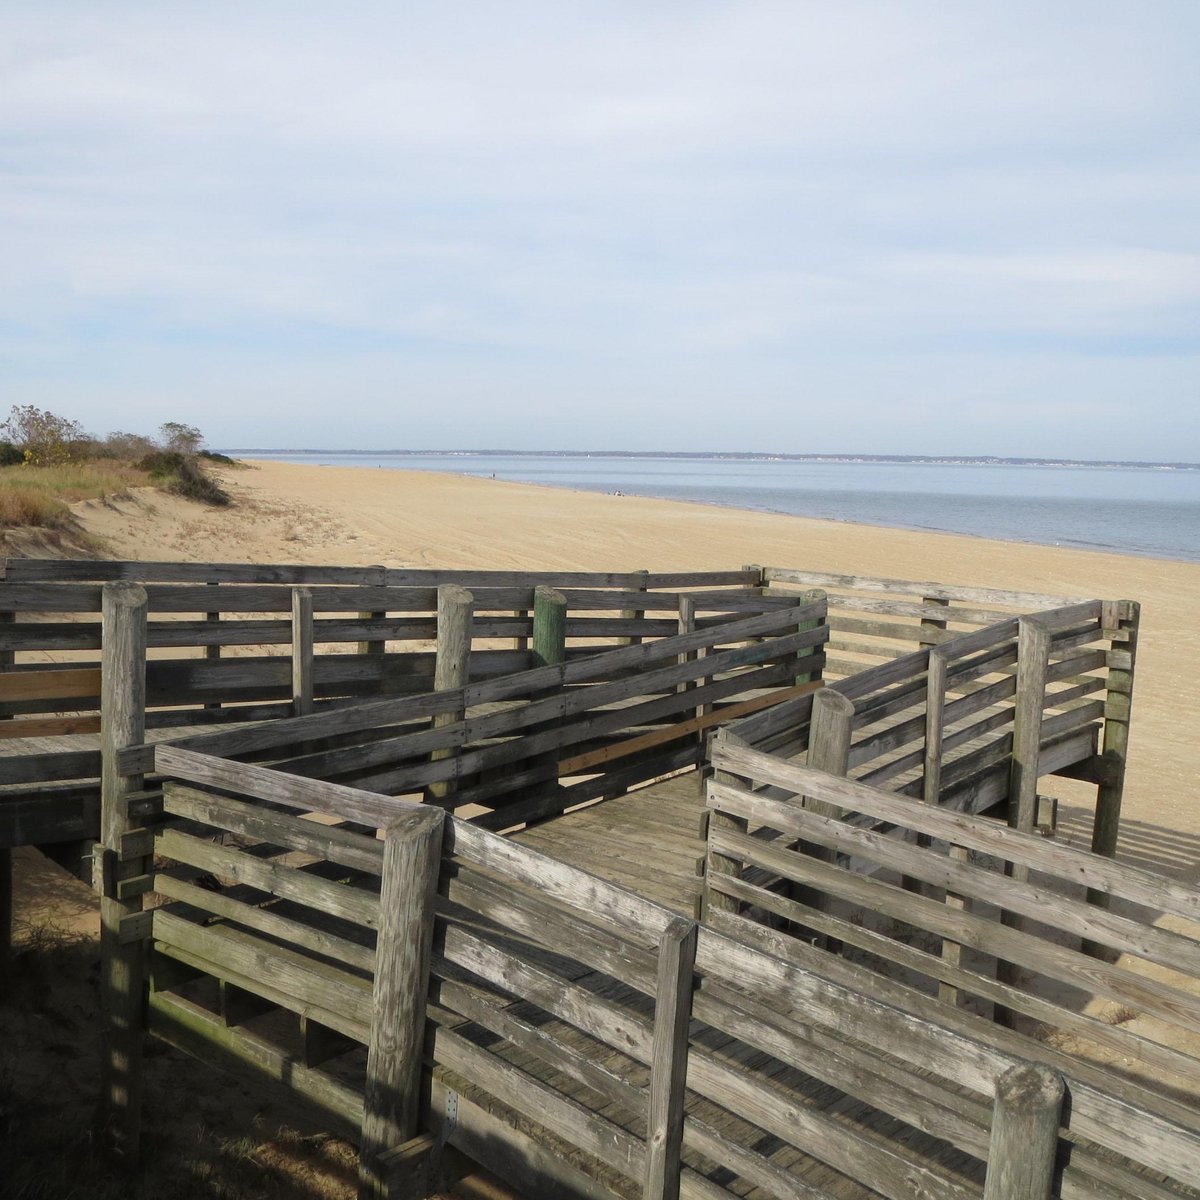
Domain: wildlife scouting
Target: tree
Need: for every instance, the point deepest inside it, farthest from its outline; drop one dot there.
(44, 437)
(131, 446)
(178, 438)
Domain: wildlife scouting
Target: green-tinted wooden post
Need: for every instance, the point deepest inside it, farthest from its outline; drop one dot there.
(549, 627)
(122, 724)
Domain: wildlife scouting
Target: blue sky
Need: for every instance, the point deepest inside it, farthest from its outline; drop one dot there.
(911, 227)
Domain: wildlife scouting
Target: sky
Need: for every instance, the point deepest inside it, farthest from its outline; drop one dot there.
(912, 227)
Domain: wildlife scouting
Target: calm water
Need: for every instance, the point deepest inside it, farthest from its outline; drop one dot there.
(1130, 510)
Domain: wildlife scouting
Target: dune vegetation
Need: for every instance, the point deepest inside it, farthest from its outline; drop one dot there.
(48, 462)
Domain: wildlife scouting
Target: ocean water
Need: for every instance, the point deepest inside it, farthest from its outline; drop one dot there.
(1130, 510)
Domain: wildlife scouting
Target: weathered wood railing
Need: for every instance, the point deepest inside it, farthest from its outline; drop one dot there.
(963, 906)
(267, 615)
(234, 644)
(978, 718)
(533, 743)
(583, 1041)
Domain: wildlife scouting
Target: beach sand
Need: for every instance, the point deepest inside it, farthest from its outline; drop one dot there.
(363, 515)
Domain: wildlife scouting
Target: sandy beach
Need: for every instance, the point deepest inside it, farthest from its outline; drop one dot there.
(362, 515)
(260, 1143)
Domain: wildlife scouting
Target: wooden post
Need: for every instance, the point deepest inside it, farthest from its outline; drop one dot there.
(373, 647)
(721, 864)
(829, 751)
(1024, 1140)
(812, 596)
(549, 648)
(635, 614)
(1033, 656)
(213, 651)
(929, 624)
(935, 709)
(7, 659)
(549, 626)
(456, 608)
(829, 741)
(687, 624)
(935, 712)
(6, 921)
(302, 651)
(122, 724)
(668, 1067)
(1120, 620)
(391, 1105)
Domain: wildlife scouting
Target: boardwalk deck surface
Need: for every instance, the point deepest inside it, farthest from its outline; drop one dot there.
(648, 840)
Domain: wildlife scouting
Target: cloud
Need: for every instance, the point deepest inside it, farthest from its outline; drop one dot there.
(704, 208)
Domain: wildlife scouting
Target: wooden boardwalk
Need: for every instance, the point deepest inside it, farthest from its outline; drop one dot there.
(649, 840)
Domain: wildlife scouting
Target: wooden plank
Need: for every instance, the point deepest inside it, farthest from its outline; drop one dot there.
(265, 784)
(645, 921)
(1170, 1003)
(595, 758)
(610, 664)
(1115, 1038)
(60, 683)
(333, 844)
(276, 878)
(1046, 905)
(290, 979)
(266, 920)
(1026, 600)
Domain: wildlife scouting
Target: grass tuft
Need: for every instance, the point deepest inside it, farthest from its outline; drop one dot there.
(40, 495)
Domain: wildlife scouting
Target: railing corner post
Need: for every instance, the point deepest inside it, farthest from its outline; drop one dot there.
(1023, 1149)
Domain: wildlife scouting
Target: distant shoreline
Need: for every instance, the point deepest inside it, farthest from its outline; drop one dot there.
(949, 460)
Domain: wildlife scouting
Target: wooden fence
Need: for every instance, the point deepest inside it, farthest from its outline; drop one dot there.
(231, 644)
(944, 722)
(967, 909)
(530, 744)
(447, 985)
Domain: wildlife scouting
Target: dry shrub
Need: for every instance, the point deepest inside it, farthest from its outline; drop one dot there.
(40, 495)
(21, 505)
